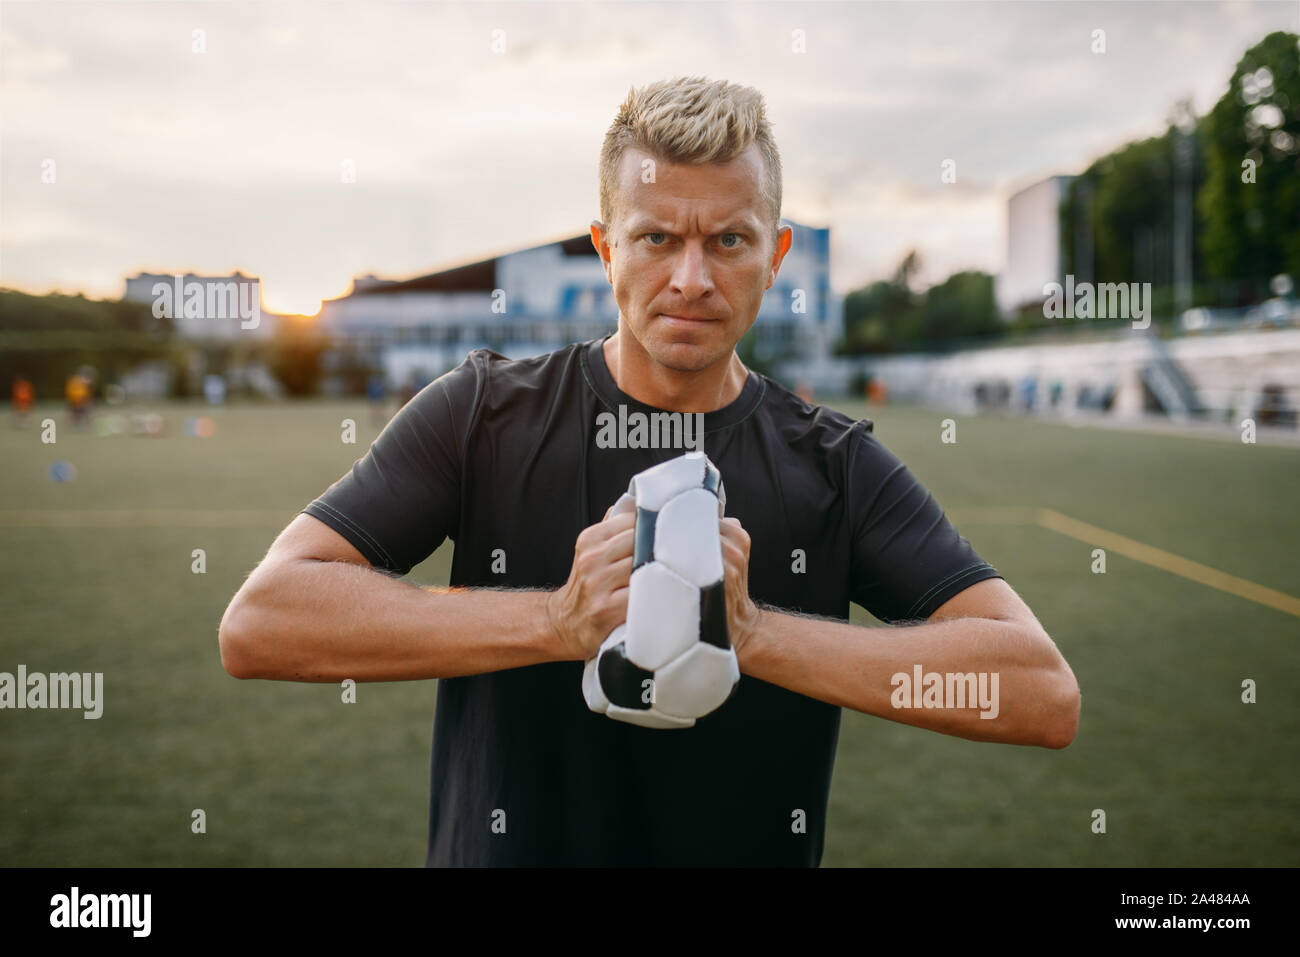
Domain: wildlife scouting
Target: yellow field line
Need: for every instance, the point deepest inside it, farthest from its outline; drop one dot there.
(1167, 561)
(1129, 548)
(152, 518)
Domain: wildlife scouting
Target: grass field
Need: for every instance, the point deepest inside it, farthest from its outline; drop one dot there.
(97, 576)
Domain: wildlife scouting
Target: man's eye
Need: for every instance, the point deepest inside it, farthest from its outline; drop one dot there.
(650, 236)
(735, 236)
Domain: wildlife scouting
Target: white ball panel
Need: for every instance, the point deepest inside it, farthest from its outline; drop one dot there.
(648, 719)
(697, 682)
(687, 538)
(591, 690)
(658, 484)
(663, 616)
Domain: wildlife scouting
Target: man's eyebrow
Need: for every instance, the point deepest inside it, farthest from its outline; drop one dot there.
(645, 224)
(638, 223)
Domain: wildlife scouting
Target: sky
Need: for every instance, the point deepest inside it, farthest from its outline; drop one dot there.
(176, 135)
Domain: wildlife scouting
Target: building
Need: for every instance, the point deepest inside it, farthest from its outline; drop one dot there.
(206, 309)
(535, 300)
(220, 322)
(1034, 256)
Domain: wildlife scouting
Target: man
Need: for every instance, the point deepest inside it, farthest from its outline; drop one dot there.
(77, 390)
(502, 457)
(24, 394)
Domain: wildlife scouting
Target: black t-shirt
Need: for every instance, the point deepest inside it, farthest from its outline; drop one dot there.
(502, 454)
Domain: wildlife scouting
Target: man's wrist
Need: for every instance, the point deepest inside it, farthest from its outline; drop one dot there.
(749, 644)
(553, 638)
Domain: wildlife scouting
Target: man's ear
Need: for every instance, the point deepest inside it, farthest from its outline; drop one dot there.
(784, 239)
(600, 239)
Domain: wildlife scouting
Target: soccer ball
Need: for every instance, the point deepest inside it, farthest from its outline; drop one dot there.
(671, 661)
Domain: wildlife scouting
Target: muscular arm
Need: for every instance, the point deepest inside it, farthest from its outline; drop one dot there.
(986, 628)
(315, 610)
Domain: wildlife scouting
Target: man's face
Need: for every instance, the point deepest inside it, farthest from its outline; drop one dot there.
(690, 255)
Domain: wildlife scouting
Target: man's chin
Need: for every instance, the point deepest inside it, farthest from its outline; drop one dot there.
(686, 357)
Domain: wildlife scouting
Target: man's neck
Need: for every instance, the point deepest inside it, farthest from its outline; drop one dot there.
(639, 376)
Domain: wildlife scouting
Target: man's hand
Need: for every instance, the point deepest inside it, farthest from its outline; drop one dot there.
(742, 613)
(593, 602)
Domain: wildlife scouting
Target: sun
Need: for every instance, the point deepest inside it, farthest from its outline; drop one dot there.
(289, 303)
(297, 296)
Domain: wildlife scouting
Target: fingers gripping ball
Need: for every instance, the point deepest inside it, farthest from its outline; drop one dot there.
(671, 661)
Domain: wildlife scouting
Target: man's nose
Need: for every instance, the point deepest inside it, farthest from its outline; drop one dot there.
(691, 275)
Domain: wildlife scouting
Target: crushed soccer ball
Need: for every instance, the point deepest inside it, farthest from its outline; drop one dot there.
(671, 662)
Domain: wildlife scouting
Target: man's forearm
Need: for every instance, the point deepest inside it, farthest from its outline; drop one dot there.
(854, 666)
(307, 620)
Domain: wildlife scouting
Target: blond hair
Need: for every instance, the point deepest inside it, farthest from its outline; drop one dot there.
(691, 120)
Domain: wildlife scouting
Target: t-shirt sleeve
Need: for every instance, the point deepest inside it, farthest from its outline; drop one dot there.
(907, 558)
(401, 500)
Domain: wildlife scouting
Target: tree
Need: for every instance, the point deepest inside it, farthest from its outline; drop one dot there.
(44, 338)
(874, 314)
(295, 356)
(1250, 228)
(1122, 207)
(960, 307)
(887, 316)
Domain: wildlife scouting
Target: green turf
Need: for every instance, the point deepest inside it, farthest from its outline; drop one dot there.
(288, 774)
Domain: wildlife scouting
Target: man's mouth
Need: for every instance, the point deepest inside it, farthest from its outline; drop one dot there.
(678, 318)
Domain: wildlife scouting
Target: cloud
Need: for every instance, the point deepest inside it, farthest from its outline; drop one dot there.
(232, 157)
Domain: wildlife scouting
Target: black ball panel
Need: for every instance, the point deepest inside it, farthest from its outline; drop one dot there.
(712, 477)
(621, 679)
(713, 616)
(643, 549)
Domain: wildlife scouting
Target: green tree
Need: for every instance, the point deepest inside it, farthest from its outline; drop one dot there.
(875, 314)
(295, 356)
(45, 338)
(889, 316)
(962, 306)
(1252, 230)
(1117, 219)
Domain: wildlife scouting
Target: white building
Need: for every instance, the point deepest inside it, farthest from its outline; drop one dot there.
(221, 309)
(1034, 256)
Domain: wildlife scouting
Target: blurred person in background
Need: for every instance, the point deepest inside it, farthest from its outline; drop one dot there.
(23, 395)
(377, 394)
(78, 393)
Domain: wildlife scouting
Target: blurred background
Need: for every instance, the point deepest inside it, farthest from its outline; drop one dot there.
(1072, 228)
